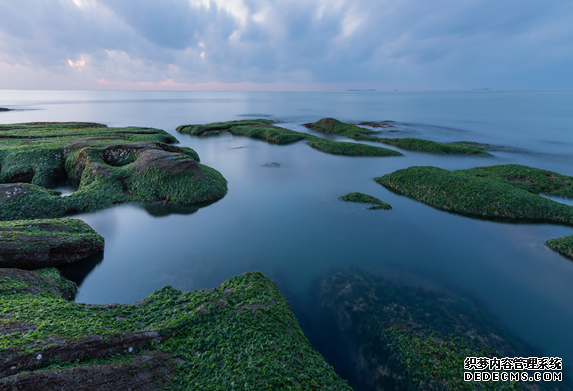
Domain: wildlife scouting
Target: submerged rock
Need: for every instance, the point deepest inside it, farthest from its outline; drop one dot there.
(108, 165)
(239, 334)
(35, 244)
(405, 337)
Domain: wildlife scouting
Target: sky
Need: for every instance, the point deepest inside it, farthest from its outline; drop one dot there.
(286, 45)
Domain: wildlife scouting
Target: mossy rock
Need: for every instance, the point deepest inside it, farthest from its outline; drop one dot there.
(331, 125)
(334, 126)
(108, 165)
(258, 129)
(367, 199)
(351, 149)
(240, 334)
(505, 192)
(562, 245)
(418, 144)
(35, 244)
(413, 338)
(264, 130)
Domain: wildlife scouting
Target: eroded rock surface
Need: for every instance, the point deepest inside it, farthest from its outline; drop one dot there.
(35, 244)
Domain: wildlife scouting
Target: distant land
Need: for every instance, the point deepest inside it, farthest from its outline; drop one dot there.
(360, 90)
(481, 89)
(4, 109)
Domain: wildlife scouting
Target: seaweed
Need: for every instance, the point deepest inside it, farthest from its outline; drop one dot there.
(367, 199)
(240, 334)
(486, 192)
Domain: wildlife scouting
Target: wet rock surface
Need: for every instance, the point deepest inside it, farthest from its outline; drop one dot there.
(35, 244)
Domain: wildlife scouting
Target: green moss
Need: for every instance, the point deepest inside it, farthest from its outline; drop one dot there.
(264, 130)
(476, 193)
(417, 144)
(334, 126)
(65, 230)
(367, 199)
(331, 125)
(562, 245)
(351, 149)
(108, 165)
(257, 129)
(239, 334)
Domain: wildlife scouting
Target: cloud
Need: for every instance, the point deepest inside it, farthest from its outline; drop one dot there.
(448, 43)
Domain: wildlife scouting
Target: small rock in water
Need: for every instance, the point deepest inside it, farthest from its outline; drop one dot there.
(273, 164)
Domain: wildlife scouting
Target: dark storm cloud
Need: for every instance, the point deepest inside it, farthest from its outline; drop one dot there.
(190, 41)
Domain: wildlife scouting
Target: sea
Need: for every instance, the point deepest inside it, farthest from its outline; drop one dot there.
(287, 221)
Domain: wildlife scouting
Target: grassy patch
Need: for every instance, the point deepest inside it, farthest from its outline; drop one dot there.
(240, 334)
(484, 192)
(367, 199)
(562, 245)
(351, 149)
(108, 165)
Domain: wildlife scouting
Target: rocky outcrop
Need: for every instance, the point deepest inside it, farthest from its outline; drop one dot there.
(35, 244)
(239, 333)
(108, 165)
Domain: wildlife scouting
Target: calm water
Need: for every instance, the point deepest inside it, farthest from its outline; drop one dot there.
(288, 223)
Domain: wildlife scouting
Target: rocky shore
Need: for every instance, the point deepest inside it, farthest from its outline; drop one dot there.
(108, 166)
(240, 334)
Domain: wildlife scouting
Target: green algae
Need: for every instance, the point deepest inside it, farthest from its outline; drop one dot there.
(108, 165)
(412, 338)
(240, 334)
(331, 125)
(485, 192)
(367, 199)
(351, 149)
(562, 245)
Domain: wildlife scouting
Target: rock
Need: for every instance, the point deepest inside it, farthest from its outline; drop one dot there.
(35, 244)
(4, 109)
(108, 165)
(241, 332)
